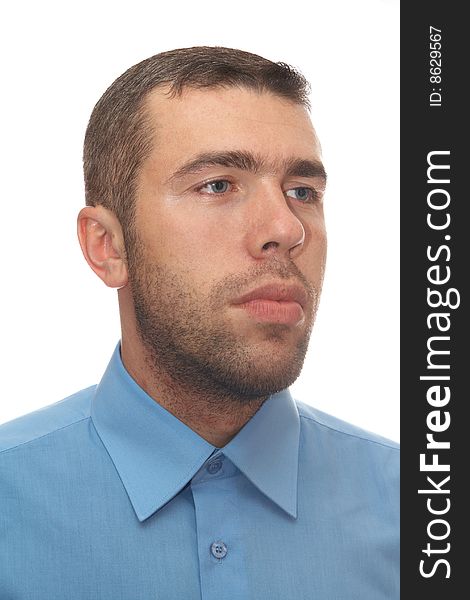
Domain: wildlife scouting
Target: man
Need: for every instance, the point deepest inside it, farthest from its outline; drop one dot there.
(189, 471)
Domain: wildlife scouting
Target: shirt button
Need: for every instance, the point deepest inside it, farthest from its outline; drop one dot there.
(218, 549)
(214, 466)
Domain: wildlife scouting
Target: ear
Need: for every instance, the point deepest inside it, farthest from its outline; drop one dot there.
(102, 242)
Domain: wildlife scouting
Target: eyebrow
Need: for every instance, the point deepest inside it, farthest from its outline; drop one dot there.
(247, 161)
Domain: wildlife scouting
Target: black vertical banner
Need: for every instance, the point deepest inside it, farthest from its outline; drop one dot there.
(435, 267)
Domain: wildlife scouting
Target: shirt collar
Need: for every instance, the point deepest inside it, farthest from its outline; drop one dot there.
(156, 454)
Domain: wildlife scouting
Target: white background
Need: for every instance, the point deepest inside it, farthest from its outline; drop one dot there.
(59, 323)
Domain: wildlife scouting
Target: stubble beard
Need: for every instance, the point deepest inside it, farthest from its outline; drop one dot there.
(185, 336)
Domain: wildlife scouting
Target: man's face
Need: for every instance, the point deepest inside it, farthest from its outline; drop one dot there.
(228, 265)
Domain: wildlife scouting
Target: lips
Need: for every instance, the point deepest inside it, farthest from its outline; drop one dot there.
(277, 292)
(275, 303)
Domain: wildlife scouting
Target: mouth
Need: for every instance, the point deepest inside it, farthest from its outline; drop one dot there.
(275, 303)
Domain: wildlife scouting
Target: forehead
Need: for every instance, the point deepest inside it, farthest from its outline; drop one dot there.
(224, 119)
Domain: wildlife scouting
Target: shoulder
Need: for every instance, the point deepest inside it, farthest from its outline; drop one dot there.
(342, 431)
(46, 421)
(366, 464)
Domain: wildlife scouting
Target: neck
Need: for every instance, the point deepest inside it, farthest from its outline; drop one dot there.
(216, 415)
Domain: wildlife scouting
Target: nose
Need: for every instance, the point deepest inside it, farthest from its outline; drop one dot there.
(274, 227)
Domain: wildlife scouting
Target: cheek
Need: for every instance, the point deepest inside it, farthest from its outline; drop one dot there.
(190, 242)
(313, 258)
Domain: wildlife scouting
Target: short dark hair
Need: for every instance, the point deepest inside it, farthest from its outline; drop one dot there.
(119, 134)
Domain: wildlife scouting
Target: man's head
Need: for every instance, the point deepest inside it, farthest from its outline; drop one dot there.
(121, 131)
(206, 179)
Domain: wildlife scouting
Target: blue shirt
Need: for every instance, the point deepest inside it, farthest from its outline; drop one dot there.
(108, 496)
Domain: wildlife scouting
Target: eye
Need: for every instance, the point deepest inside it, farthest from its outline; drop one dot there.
(303, 194)
(219, 186)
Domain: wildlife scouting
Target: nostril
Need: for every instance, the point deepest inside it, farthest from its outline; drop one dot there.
(270, 245)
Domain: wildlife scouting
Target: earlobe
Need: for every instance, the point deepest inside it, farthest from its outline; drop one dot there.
(102, 243)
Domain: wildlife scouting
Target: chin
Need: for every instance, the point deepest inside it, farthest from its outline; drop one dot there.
(260, 372)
